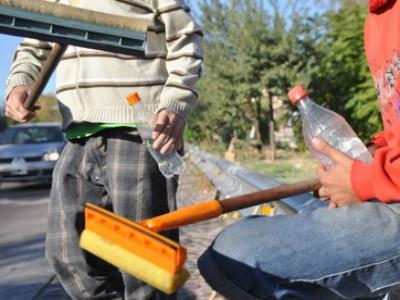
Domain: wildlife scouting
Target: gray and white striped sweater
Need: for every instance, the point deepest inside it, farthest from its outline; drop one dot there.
(92, 85)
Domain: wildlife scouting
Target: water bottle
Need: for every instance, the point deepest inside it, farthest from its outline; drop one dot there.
(170, 163)
(319, 122)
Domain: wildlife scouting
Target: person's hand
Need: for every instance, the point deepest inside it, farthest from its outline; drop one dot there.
(168, 131)
(15, 105)
(336, 181)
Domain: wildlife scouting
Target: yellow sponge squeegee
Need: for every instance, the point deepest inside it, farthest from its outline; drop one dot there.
(134, 249)
(139, 250)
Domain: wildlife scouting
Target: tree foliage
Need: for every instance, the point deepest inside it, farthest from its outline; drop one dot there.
(343, 82)
(49, 111)
(257, 50)
(250, 58)
(235, 60)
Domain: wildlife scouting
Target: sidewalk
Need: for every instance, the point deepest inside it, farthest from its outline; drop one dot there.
(25, 274)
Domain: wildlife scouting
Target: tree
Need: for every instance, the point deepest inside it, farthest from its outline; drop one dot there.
(252, 56)
(49, 111)
(256, 53)
(291, 55)
(343, 82)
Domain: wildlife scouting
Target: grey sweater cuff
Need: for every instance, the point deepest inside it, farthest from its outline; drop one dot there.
(16, 80)
(182, 108)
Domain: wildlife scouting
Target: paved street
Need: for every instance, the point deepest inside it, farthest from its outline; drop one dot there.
(26, 275)
(24, 271)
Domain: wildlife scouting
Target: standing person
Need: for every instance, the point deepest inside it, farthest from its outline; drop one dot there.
(350, 250)
(104, 161)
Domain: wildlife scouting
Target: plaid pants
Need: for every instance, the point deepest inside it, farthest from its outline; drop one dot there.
(111, 169)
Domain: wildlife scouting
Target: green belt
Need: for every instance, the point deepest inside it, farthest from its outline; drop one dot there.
(83, 130)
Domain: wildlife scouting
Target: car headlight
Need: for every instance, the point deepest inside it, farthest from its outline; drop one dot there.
(51, 155)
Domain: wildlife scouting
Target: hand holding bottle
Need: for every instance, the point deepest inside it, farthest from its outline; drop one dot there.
(320, 122)
(336, 181)
(168, 131)
(161, 134)
(332, 140)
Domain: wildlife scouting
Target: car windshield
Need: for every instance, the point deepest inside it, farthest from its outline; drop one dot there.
(32, 135)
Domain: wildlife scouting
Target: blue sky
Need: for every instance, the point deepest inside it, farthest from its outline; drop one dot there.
(8, 44)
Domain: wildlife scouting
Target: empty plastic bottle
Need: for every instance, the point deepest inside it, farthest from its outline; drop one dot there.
(319, 122)
(170, 163)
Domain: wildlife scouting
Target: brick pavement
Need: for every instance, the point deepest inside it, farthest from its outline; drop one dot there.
(194, 188)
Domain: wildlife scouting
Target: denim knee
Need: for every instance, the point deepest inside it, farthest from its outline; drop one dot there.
(229, 265)
(343, 253)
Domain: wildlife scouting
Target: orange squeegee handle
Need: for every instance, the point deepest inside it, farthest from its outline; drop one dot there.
(214, 208)
(48, 68)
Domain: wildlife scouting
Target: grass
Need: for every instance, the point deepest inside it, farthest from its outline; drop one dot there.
(289, 165)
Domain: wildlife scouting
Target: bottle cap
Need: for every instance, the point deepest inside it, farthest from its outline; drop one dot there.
(133, 98)
(297, 93)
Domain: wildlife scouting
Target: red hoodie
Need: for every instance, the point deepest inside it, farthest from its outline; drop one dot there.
(381, 179)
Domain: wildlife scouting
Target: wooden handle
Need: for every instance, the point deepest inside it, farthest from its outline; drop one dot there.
(48, 68)
(213, 208)
(277, 193)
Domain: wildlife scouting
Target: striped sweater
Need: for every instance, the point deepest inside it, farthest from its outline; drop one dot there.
(92, 85)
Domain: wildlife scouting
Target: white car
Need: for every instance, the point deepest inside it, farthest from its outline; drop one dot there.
(29, 152)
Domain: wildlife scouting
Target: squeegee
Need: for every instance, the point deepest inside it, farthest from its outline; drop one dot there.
(55, 22)
(138, 248)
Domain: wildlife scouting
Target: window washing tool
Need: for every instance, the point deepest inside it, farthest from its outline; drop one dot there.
(67, 25)
(139, 250)
(147, 255)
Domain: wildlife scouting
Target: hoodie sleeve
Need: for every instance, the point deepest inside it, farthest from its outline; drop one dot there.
(363, 174)
(379, 179)
(184, 56)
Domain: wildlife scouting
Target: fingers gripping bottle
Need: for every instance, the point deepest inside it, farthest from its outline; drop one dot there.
(170, 163)
(319, 122)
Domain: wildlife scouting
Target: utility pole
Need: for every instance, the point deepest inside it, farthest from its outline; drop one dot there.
(271, 123)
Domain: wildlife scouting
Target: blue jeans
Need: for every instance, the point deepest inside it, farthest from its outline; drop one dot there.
(351, 252)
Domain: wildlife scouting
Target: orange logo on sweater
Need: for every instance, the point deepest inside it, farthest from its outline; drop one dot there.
(133, 98)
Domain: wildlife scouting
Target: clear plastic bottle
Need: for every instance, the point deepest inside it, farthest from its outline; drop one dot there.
(170, 163)
(329, 126)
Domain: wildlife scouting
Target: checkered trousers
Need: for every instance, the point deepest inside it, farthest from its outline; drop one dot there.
(111, 169)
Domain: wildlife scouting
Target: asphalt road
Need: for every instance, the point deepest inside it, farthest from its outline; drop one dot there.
(23, 270)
